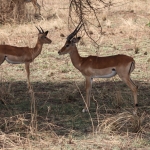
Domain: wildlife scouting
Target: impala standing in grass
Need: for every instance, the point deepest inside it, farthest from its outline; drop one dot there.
(36, 6)
(19, 55)
(99, 67)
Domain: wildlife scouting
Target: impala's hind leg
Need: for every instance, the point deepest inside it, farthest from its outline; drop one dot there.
(37, 7)
(133, 88)
(124, 74)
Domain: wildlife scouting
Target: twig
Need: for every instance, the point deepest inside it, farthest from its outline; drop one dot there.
(86, 108)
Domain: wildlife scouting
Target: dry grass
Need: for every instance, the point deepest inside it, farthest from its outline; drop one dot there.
(12, 11)
(50, 116)
(125, 121)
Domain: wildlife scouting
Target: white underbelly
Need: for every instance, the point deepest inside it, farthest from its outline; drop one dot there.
(113, 73)
(13, 62)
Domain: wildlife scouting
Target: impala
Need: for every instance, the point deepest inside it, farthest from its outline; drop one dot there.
(99, 67)
(37, 7)
(19, 55)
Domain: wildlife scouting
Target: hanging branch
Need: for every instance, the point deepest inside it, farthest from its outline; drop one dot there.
(80, 10)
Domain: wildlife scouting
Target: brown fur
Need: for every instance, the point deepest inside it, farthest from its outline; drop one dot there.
(26, 55)
(93, 66)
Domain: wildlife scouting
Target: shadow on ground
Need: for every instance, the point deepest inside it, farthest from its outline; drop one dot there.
(61, 103)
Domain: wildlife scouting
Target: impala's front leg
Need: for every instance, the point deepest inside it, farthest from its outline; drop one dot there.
(88, 85)
(27, 67)
(2, 59)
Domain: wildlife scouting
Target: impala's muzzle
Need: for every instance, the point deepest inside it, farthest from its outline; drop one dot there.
(62, 51)
(59, 52)
(50, 41)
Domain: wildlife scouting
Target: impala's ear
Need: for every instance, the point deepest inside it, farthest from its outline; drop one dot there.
(46, 32)
(76, 40)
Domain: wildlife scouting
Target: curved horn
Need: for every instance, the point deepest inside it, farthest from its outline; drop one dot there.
(75, 31)
(42, 30)
(38, 29)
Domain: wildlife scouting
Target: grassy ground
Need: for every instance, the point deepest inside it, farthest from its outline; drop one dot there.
(55, 120)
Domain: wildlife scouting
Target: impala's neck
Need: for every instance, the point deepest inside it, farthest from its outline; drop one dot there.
(37, 49)
(76, 58)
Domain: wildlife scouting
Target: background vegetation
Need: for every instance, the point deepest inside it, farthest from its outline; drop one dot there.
(50, 116)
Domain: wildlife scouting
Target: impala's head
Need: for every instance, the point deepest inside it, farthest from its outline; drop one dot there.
(68, 47)
(71, 41)
(42, 36)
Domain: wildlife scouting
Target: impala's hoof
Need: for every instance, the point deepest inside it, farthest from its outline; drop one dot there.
(84, 110)
(135, 111)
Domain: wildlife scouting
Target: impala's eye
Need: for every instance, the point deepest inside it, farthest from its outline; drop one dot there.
(67, 45)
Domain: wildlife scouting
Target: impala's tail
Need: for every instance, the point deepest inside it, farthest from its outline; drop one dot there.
(132, 67)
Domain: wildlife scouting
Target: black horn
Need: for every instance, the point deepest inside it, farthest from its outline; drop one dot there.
(38, 29)
(75, 31)
(42, 30)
